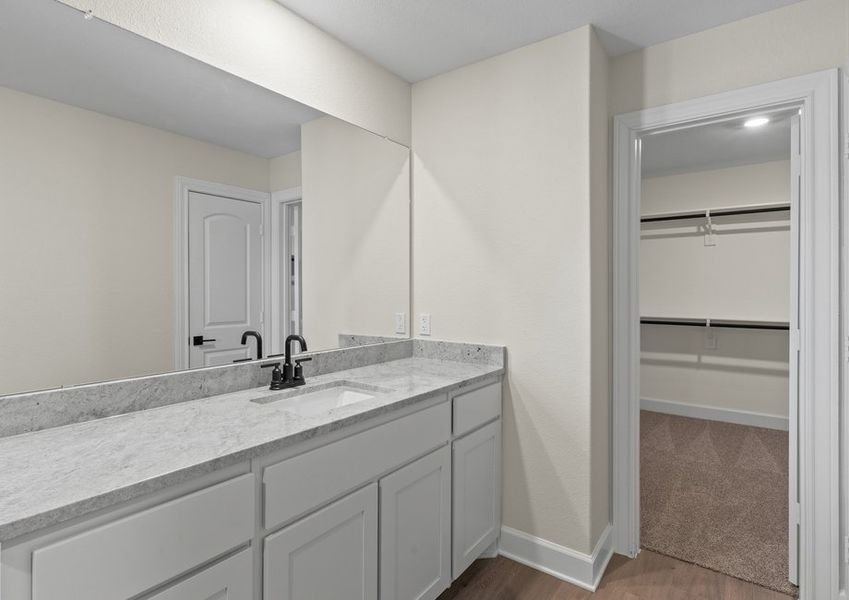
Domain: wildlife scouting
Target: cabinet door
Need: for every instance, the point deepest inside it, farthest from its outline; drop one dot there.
(477, 494)
(415, 529)
(231, 579)
(328, 555)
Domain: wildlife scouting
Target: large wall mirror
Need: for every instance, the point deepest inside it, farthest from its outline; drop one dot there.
(155, 209)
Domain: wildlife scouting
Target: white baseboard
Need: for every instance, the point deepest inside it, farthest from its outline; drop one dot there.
(711, 413)
(583, 570)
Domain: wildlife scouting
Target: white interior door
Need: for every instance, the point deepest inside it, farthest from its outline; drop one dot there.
(793, 467)
(225, 278)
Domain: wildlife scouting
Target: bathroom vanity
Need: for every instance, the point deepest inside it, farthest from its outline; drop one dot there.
(381, 481)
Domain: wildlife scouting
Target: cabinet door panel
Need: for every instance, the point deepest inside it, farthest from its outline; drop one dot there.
(477, 494)
(415, 529)
(231, 579)
(328, 555)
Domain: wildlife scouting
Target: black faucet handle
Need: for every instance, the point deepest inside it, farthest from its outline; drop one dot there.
(299, 369)
(277, 379)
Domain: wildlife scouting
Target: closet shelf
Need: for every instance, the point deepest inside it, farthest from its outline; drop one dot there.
(750, 209)
(725, 323)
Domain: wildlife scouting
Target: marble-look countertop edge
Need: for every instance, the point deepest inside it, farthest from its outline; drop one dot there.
(12, 530)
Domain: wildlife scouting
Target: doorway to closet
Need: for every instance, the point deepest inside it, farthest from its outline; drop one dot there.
(816, 431)
(718, 368)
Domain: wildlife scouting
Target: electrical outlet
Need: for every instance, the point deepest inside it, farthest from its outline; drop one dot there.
(424, 324)
(400, 323)
(710, 339)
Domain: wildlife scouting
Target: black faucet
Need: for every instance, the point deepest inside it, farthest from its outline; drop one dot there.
(258, 337)
(294, 375)
(291, 375)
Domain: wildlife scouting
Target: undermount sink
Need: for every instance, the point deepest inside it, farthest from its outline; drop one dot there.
(316, 399)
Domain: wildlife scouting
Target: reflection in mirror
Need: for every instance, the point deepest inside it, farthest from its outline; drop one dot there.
(161, 214)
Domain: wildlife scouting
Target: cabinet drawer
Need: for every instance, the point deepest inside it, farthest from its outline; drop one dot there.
(296, 485)
(133, 554)
(476, 407)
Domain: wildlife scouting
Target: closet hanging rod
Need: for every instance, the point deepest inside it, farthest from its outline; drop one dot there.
(724, 323)
(728, 211)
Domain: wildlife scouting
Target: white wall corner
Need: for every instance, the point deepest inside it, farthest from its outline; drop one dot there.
(577, 568)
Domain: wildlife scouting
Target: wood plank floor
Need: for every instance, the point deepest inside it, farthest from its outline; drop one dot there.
(648, 577)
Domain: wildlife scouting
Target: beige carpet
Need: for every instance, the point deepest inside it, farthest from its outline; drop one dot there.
(715, 494)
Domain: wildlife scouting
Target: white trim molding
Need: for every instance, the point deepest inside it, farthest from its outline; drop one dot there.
(715, 413)
(577, 568)
(279, 303)
(182, 187)
(816, 95)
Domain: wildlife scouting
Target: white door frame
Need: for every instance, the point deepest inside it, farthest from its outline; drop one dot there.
(279, 200)
(817, 95)
(182, 187)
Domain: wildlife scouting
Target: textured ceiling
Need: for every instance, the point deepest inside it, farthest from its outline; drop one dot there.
(48, 49)
(716, 146)
(417, 39)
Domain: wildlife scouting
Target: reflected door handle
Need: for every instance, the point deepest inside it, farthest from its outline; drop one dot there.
(199, 341)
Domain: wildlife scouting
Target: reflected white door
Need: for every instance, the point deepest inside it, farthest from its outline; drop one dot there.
(293, 268)
(793, 454)
(225, 278)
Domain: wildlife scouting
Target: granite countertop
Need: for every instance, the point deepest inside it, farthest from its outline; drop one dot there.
(53, 475)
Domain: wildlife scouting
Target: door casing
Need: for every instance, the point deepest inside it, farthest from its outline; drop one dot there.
(816, 95)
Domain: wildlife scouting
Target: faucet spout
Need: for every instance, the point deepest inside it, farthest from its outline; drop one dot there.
(257, 337)
(288, 369)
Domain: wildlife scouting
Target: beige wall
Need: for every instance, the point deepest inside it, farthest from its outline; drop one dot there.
(86, 240)
(801, 38)
(502, 244)
(263, 42)
(745, 276)
(356, 231)
(284, 172)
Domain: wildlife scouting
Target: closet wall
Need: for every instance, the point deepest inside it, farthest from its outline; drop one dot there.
(746, 275)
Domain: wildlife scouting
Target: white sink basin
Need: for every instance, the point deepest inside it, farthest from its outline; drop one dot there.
(322, 398)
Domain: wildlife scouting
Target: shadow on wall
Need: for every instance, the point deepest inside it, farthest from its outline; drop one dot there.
(760, 352)
(520, 457)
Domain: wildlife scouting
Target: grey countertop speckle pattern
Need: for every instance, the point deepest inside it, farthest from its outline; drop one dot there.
(51, 476)
(22, 413)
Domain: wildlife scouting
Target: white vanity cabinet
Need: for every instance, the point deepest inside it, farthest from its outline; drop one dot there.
(415, 529)
(476, 463)
(392, 508)
(329, 554)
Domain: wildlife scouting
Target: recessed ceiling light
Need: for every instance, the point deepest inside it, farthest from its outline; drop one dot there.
(756, 122)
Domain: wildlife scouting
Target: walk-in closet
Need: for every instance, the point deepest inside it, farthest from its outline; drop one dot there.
(717, 303)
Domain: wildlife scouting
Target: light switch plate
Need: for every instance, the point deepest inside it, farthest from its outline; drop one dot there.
(400, 322)
(424, 324)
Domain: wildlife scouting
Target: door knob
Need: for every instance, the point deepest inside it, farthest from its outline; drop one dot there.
(198, 340)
